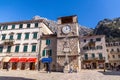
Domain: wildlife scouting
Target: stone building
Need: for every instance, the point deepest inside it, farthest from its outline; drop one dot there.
(113, 50)
(68, 52)
(19, 43)
(93, 51)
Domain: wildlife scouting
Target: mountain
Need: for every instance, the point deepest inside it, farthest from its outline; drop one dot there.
(53, 26)
(110, 28)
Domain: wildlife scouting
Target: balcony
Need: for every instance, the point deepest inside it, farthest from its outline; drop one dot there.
(115, 52)
(91, 43)
(91, 59)
(8, 42)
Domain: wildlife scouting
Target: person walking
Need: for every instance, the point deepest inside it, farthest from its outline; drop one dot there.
(8, 66)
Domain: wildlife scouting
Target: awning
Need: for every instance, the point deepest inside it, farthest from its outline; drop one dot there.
(1, 58)
(14, 59)
(23, 60)
(6, 59)
(46, 60)
(32, 60)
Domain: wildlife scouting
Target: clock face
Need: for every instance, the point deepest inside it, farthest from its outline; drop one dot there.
(66, 29)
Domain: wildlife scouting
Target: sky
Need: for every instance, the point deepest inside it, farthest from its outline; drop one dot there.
(89, 12)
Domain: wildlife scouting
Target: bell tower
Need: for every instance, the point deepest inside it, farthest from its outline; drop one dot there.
(68, 44)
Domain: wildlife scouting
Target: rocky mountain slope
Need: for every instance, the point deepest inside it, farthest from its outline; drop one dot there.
(110, 28)
(53, 26)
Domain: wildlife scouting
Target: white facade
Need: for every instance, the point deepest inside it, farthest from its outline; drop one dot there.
(30, 31)
(113, 50)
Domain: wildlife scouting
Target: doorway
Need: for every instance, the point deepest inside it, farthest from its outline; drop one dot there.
(32, 66)
(94, 65)
(5, 65)
(14, 65)
(23, 66)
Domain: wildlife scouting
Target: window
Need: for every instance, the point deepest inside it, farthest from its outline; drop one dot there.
(25, 48)
(107, 50)
(9, 49)
(99, 47)
(86, 56)
(28, 25)
(34, 48)
(20, 26)
(112, 50)
(98, 39)
(19, 36)
(44, 53)
(26, 35)
(47, 42)
(100, 56)
(91, 40)
(13, 26)
(118, 56)
(93, 55)
(35, 35)
(47, 53)
(36, 24)
(5, 27)
(118, 50)
(113, 56)
(85, 48)
(3, 36)
(84, 40)
(1, 49)
(11, 37)
(17, 48)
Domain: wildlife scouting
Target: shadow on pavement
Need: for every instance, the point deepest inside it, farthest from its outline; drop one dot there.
(110, 72)
(14, 78)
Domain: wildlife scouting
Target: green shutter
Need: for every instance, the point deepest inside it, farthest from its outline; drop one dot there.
(47, 42)
(26, 35)
(5, 27)
(3, 36)
(35, 35)
(1, 49)
(13, 26)
(25, 48)
(11, 37)
(100, 56)
(9, 49)
(28, 25)
(36, 24)
(19, 36)
(86, 56)
(93, 55)
(33, 48)
(17, 48)
(21, 25)
(44, 53)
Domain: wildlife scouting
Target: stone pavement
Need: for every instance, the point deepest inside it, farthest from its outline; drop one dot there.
(83, 75)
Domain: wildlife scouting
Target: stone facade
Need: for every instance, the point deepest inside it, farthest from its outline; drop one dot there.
(113, 50)
(93, 51)
(68, 46)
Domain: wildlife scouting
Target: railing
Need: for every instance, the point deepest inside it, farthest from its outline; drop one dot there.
(91, 43)
(8, 42)
(114, 52)
(96, 58)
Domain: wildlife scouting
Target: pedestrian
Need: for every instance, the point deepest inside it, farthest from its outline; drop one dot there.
(8, 66)
(71, 69)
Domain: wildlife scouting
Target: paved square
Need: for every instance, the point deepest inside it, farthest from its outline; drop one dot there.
(83, 75)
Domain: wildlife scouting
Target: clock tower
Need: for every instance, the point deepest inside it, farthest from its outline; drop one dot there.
(68, 44)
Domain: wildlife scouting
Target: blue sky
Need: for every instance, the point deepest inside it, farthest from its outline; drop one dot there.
(89, 12)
